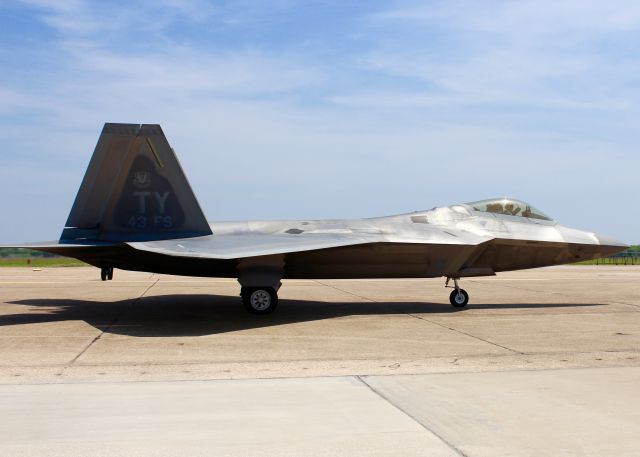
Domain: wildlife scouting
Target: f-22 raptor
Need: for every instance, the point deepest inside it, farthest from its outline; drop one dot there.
(135, 210)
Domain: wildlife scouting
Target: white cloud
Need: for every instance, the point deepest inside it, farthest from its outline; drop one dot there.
(554, 54)
(94, 79)
(526, 18)
(84, 18)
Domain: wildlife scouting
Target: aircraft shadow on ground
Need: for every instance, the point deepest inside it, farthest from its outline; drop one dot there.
(198, 315)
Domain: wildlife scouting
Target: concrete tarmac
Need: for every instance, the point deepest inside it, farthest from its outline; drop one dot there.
(542, 362)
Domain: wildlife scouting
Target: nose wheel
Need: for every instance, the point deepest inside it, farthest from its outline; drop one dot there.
(459, 298)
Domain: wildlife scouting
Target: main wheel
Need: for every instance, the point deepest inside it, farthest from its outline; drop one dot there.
(459, 298)
(110, 273)
(259, 300)
(104, 273)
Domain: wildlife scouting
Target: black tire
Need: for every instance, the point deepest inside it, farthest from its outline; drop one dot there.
(259, 300)
(459, 299)
(110, 273)
(104, 273)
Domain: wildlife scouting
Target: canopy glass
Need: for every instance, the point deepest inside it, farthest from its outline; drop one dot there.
(508, 207)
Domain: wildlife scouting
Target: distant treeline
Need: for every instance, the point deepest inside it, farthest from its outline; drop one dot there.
(631, 251)
(630, 256)
(17, 253)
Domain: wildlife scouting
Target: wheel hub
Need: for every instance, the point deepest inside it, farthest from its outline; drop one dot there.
(260, 300)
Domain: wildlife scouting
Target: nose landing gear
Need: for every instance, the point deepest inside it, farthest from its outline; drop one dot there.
(459, 298)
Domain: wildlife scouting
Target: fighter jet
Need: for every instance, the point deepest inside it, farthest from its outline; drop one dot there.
(135, 210)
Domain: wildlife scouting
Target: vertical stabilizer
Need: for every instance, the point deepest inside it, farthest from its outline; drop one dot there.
(134, 189)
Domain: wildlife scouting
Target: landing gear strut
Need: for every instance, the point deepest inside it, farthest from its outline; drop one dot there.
(458, 297)
(259, 300)
(106, 273)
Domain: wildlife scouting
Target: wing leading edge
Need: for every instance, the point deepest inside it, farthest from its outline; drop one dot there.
(246, 245)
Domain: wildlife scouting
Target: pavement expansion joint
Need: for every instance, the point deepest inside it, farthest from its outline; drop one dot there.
(426, 320)
(345, 291)
(406, 413)
(108, 327)
(561, 294)
(465, 333)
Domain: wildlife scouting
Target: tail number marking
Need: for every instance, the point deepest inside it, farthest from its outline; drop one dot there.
(158, 219)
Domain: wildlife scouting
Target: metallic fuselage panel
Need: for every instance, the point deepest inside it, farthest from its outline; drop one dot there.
(452, 241)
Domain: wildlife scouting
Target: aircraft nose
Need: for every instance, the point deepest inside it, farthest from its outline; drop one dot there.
(610, 246)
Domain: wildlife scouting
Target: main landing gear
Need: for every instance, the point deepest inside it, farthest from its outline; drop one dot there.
(458, 297)
(106, 273)
(259, 300)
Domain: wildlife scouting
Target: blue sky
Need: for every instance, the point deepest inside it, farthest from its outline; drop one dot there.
(320, 109)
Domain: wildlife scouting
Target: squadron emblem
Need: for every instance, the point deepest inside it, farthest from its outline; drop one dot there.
(142, 179)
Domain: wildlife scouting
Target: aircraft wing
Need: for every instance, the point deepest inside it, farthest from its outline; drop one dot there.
(236, 246)
(247, 245)
(252, 244)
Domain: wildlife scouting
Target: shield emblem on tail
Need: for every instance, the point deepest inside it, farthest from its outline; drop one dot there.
(142, 179)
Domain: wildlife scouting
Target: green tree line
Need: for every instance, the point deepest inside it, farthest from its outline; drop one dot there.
(19, 253)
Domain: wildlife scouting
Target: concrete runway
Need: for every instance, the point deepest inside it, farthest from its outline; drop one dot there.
(542, 362)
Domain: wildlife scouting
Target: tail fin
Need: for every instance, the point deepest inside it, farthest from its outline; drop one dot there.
(134, 189)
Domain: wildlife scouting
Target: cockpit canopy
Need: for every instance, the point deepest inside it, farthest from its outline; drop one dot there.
(508, 207)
